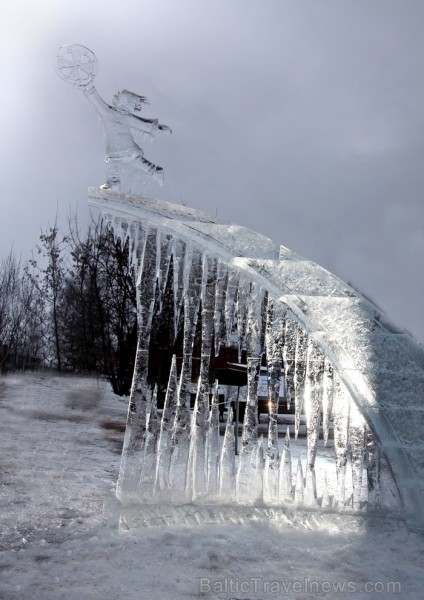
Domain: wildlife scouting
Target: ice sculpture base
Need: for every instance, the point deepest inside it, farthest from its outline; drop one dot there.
(131, 516)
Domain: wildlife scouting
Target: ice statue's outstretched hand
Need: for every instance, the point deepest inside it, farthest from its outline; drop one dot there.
(164, 128)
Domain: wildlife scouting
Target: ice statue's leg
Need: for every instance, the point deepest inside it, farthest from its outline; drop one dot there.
(150, 168)
(113, 175)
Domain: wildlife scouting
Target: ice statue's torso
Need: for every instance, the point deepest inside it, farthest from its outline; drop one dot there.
(120, 143)
(119, 140)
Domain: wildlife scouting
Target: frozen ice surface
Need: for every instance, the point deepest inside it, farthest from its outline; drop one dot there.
(346, 367)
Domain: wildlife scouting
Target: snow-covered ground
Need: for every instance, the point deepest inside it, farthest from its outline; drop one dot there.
(60, 442)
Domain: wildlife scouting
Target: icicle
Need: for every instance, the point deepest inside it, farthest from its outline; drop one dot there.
(325, 500)
(257, 470)
(156, 265)
(341, 405)
(272, 461)
(120, 230)
(141, 252)
(136, 422)
(180, 445)
(242, 296)
(213, 444)
(300, 485)
(152, 422)
(373, 465)
(192, 293)
(274, 375)
(254, 320)
(289, 352)
(126, 232)
(230, 302)
(220, 300)
(107, 221)
(136, 426)
(250, 424)
(285, 471)
(357, 446)
(274, 342)
(148, 468)
(327, 398)
(299, 374)
(249, 485)
(165, 254)
(146, 284)
(196, 481)
(134, 245)
(227, 464)
(178, 257)
(275, 330)
(190, 483)
(312, 399)
(208, 309)
(140, 266)
(264, 300)
(168, 418)
(348, 497)
(190, 258)
(171, 397)
(310, 486)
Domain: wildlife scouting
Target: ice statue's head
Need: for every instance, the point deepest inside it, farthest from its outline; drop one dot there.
(128, 101)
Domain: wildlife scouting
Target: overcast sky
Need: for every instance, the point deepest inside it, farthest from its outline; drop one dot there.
(301, 119)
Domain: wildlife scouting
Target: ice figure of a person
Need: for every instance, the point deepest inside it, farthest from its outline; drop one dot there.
(121, 148)
(77, 65)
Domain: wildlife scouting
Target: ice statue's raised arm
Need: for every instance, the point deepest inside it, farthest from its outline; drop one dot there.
(102, 107)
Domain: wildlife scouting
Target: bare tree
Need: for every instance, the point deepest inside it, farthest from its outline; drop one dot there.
(100, 331)
(74, 307)
(21, 315)
(51, 282)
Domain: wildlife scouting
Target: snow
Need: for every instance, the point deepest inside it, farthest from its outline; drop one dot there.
(61, 439)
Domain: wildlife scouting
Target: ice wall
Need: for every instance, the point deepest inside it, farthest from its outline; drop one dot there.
(346, 369)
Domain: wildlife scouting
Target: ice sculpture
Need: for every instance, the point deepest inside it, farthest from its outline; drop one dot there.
(77, 65)
(354, 382)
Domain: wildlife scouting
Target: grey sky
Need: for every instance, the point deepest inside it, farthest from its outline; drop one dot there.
(302, 119)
